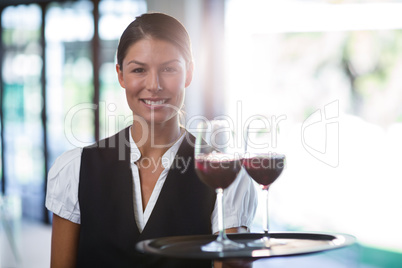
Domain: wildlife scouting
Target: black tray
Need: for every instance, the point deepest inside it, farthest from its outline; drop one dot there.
(293, 243)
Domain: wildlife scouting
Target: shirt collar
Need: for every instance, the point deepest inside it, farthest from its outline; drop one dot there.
(168, 156)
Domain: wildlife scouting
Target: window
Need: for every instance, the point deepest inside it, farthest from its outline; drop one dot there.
(46, 114)
(333, 70)
(113, 19)
(22, 106)
(69, 31)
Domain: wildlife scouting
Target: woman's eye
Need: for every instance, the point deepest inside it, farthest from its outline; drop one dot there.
(138, 70)
(169, 69)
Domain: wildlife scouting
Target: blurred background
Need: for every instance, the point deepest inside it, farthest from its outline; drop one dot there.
(326, 73)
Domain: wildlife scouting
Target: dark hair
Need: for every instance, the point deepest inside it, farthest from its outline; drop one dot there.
(159, 26)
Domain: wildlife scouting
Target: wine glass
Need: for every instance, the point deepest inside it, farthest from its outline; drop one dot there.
(264, 165)
(217, 165)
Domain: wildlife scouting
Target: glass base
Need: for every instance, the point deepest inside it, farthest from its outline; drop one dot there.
(223, 245)
(265, 242)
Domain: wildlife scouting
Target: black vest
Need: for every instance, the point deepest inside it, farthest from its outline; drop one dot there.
(108, 231)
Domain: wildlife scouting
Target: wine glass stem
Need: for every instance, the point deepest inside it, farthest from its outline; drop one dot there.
(266, 213)
(221, 225)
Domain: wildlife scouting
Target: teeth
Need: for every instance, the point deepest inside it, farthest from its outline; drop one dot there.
(154, 102)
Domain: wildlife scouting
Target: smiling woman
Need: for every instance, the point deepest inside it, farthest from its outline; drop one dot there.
(132, 178)
(157, 59)
(155, 75)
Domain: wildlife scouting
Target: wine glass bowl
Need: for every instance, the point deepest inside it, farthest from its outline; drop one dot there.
(264, 168)
(217, 165)
(217, 170)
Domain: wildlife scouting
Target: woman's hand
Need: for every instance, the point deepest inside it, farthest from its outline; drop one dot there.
(241, 229)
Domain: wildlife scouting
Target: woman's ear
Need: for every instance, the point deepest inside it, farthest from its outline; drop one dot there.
(120, 75)
(189, 74)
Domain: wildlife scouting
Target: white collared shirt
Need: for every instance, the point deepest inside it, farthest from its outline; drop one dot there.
(142, 216)
(240, 198)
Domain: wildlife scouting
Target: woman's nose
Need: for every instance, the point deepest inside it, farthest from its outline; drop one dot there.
(153, 83)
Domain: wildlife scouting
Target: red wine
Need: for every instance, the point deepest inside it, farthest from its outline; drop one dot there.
(217, 170)
(264, 169)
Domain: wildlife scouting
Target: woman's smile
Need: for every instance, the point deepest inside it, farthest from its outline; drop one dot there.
(154, 102)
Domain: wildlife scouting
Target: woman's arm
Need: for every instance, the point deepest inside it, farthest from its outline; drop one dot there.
(65, 236)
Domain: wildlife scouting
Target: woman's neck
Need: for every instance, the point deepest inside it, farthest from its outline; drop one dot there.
(156, 138)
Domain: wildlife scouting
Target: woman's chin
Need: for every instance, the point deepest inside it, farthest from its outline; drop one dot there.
(161, 120)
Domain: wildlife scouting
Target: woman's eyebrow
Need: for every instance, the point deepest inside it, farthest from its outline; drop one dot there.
(136, 62)
(144, 64)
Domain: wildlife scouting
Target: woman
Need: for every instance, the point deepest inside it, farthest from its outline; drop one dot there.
(140, 183)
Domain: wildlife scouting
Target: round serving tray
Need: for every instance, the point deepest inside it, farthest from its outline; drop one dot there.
(286, 244)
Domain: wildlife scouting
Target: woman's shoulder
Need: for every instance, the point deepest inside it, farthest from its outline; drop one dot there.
(68, 159)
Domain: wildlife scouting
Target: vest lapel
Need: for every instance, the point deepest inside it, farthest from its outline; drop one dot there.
(124, 168)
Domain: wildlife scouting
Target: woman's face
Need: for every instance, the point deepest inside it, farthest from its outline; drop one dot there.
(154, 75)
